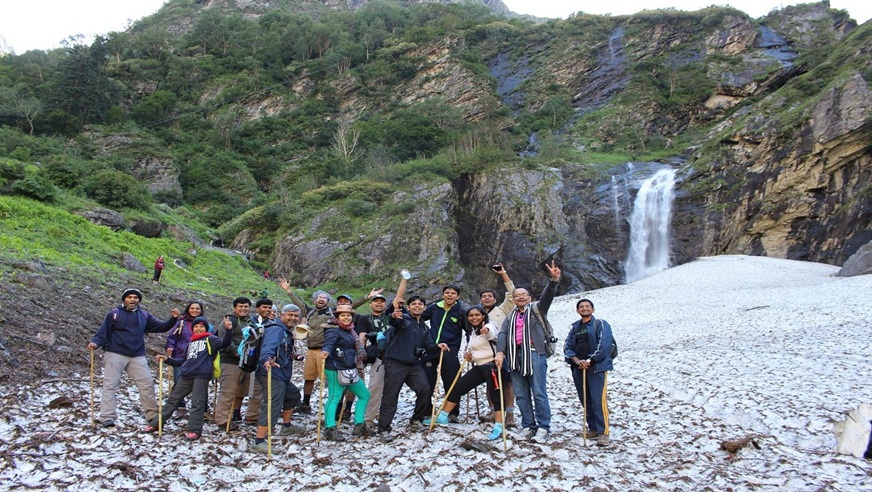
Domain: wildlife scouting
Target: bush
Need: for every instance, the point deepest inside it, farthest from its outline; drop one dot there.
(115, 189)
(36, 187)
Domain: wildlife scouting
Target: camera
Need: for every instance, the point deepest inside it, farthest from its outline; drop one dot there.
(498, 267)
(372, 336)
(551, 339)
(420, 352)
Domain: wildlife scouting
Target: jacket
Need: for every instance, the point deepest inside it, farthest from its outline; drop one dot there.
(482, 346)
(446, 326)
(599, 339)
(123, 331)
(230, 355)
(197, 363)
(537, 331)
(341, 345)
(499, 312)
(405, 337)
(278, 344)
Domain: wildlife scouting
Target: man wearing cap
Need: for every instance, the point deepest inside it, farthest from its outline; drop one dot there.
(121, 336)
(371, 328)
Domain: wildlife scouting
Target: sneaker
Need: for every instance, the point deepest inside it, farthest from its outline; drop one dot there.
(291, 430)
(529, 433)
(451, 418)
(149, 429)
(333, 434)
(237, 416)
(486, 418)
(542, 435)
(258, 448)
(303, 409)
(602, 440)
(109, 423)
(418, 425)
(385, 436)
(496, 433)
(180, 414)
(192, 436)
(362, 430)
(591, 434)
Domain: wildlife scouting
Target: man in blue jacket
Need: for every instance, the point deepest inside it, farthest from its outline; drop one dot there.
(121, 336)
(446, 326)
(588, 350)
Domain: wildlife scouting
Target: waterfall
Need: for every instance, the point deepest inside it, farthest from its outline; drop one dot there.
(649, 227)
(616, 205)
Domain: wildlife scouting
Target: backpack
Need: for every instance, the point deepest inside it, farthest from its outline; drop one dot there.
(216, 361)
(249, 349)
(550, 340)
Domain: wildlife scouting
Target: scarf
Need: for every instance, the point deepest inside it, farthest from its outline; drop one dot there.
(524, 363)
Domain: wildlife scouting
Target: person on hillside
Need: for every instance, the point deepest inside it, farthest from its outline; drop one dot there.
(522, 345)
(121, 336)
(588, 351)
(341, 352)
(233, 385)
(497, 314)
(179, 338)
(480, 350)
(405, 342)
(196, 367)
(277, 351)
(446, 325)
(158, 270)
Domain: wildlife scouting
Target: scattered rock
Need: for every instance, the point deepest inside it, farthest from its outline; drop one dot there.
(860, 263)
(130, 262)
(147, 228)
(38, 282)
(46, 337)
(60, 402)
(735, 445)
(105, 217)
(36, 266)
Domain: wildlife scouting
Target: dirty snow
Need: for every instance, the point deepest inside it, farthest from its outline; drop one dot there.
(722, 348)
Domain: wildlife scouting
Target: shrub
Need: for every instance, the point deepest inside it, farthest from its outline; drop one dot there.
(115, 189)
(36, 187)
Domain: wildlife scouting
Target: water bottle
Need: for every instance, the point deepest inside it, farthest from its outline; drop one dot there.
(405, 273)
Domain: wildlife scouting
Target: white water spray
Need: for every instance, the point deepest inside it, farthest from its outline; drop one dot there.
(649, 227)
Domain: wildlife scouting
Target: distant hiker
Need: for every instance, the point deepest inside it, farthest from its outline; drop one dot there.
(121, 336)
(587, 350)
(178, 339)
(341, 352)
(233, 384)
(196, 367)
(522, 346)
(158, 269)
(277, 351)
(481, 351)
(446, 325)
(497, 314)
(406, 342)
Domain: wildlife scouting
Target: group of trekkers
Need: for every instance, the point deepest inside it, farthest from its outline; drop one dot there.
(400, 342)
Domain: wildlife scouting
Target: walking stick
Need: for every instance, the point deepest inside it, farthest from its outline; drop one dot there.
(320, 402)
(456, 377)
(93, 419)
(341, 410)
(502, 406)
(477, 414)
(269, 428)
(584, 408)
(159, 398)
(436, 387)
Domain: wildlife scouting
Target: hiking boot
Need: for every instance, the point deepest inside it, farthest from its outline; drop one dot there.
(109, 423)
(385, 436)
(451, 418)
(419, 426)
(510, 421)
(291, 430)
(542, 436)
(180, 414)
(602, 440)
(237, 416)
(303, 409)
(362, 430)
(591, 434)
(258, 448)
(486, 418)
(333, 434)
(192, 436)
(529, 433)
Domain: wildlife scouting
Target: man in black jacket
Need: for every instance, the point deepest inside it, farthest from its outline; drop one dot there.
(446, 325)
(406, 341)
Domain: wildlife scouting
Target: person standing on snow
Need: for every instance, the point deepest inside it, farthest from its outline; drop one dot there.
(588, 350)
(121, 336)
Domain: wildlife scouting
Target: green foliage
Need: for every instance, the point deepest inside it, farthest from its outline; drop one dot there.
(154, 107)
(35, 186)
(115, 189)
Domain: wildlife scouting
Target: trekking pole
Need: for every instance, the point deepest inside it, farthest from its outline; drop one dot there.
(502, 406)
(269, 412)
(477, 414)
(444, 400)
(436, 387)
(341, 410)
(584, 406)
(159, 398)
(320, 402)
(93, 419)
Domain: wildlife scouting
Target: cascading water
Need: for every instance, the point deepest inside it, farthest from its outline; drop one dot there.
(649, 227)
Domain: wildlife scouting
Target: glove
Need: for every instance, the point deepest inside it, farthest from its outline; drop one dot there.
(380, 336)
